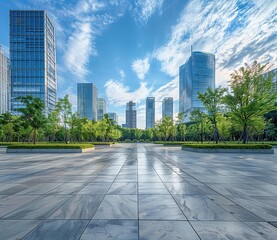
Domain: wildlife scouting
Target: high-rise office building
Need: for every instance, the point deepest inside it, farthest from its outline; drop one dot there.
(150, 112)
(87, 100)
(101, 108)
(131, 115)
(114, 117)
(167, 107)
(196, 75)
(4, 82)
(274, 79)
(32, 58)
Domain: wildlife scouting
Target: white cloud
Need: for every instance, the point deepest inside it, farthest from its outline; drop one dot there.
(141, 67)
(119, 95)
(146, 8)
(121, 73)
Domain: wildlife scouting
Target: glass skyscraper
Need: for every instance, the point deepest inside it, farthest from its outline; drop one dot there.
(32, 57)
(150, 112)
(4, 82)
(196, 75)
(131, 115)
(101, 108)
(167, 107)
(274, 79)
(87, 100)
(114, 117)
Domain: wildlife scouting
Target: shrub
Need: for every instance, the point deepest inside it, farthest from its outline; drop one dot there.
(50, 146)
(228, 146)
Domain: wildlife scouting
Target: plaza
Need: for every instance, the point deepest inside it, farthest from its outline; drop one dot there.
(138, 191)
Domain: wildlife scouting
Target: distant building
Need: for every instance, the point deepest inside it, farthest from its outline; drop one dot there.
(4, 82)
(150, 112)
(167, 106)
(114, 117)
(274, 79)
(131, 115)
(196, 75)
(101, 108)
(87, 100)
(32, 57)
(123, 125)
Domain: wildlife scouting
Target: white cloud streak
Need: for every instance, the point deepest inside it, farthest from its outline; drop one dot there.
(141, 67)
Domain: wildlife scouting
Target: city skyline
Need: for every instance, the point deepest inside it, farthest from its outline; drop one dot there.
(132, 51)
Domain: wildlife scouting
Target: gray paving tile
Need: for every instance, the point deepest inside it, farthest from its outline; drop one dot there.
(78, 207)
(164, 230)
(153, 188)
(264, 229)
(111, 229)
(159, 207)
(123, 188)
(214, 230)
(58, 230)
(117, 207)
(182, 188)
(67, 188)
(16, 229)
(95, 188)
(199, 207)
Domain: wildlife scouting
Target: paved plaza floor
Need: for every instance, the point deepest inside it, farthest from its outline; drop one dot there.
(138, 191)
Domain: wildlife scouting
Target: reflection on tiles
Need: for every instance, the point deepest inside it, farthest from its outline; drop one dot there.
(117, 207)
(164, 230)
(58, 230)
(111, 229)
(265, 229)
(95, 188)
(153, 188)
(123, 188)
(159, 207)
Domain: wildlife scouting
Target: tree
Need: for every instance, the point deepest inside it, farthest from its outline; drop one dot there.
(198, 117)
(138, 134)
(251, 96)
(64, 108)
(8, 131)
(212, 101)
(32, 114)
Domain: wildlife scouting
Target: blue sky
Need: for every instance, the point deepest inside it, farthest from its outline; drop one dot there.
(132, 49)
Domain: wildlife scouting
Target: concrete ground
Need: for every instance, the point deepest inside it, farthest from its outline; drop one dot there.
(138, 191)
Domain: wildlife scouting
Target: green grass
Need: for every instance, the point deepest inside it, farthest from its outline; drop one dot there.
(50, 146)
(228, 146)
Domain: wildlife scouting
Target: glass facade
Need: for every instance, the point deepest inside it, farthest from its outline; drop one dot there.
(150, 112)
(167, 106)
(274, 79)
(131, 115)
(87, 100)
(196, 75)
(114, 117)
(33, 58)
(4, 82)
(101, 108)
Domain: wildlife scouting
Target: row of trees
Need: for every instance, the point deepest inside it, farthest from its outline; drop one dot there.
(244, 111)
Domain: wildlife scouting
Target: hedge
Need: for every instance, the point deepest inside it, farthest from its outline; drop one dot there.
(50, 146)
(228, 146)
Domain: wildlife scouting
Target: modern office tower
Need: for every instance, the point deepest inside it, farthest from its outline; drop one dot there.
(167, 106)
(150, 112)
(196, 75)
(114, 117)
(87, 100)
(101, 108)
(32, 58)
(274, 79)
(4, 82)
(131, 115)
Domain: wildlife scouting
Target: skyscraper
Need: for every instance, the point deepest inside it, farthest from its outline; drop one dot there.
(4, 82)
(101, 108)
(150, 112)
(33, 58)
(87, 100)
(274, 79)
(196, 75)
(131, 115)
(114, 117)
(167, 106)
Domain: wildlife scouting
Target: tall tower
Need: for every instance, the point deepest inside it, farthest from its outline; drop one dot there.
(150, 112)
(167, 106)
(131, 115)
(101, 108)
(87, 100)
(33, 58)
(196, 75)
(4, 82)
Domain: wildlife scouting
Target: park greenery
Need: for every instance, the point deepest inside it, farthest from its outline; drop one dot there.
(245, 111)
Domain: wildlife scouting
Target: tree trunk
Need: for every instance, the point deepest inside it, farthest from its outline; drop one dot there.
(244, 134)
(35, 136)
